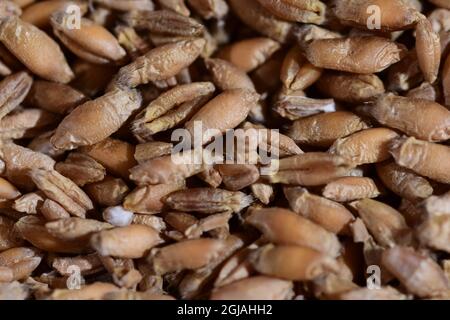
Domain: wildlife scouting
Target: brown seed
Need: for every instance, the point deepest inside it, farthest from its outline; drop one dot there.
(109, 192)
(296, 72)
(9, 237)
(238, 176)
(26, 123)
(81, 169)
(13, 90)
(75, 228)
(350, 189)
(19, 160)
(255, 288)
(367, 146)
(187, 255)
(28, 203)
(207, 224)
(152, 150)
(62, 190)
(386, 224)
(310, 169)
(364, 55)
(323, 129)
(90, 42)
(284, 227)
(332, 216)
(115, 155)
(127, 242)
(250, 53)
(7, 190)
(83, 125)
(180, 221)
(224, 112)
(148, 199)
(296, 11)
(38, 14)
(294, 105)
(228, 76)
(165, 170)
(51, 210)
(94, 291)
(209, 9)
(16, 35)
(395, 14)
(166, 22)
(404, 182)
(160, 63)
(351, 88)
(175, 5)
(423, 119)
(54, 97)
(208, 200)
(425, 158)
(256, 17)
(33, 230)
(169, 100)
(127, 5)
(88, 264)
(428, 48)
(418, 273)
(292, 262)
